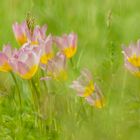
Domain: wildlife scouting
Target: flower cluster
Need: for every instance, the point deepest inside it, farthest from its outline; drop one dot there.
(36, 50)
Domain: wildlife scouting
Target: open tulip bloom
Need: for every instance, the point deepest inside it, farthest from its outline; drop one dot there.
(26, 60)
(86, 88)
(5, 56)
(132, 58)
(67, 44)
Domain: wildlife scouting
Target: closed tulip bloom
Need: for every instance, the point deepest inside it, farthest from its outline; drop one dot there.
(47, 52)
(5, 56)
(86, 88)
(25, 62)
(38, 33)
(132, 58)
(67, 44)
(20, 32)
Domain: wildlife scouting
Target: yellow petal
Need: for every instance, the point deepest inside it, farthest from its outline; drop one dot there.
(134, 60)
(5, 67)
(69, 51)
(45, 57)
(34, 43)
(22, 39)
(89, 89)
(30, 73)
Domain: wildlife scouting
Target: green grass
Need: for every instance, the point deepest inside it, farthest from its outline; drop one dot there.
(102, 27)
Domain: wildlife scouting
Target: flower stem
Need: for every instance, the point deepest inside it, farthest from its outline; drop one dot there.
(44, 83)
(72, 63)
(35, 95)
(19, 96)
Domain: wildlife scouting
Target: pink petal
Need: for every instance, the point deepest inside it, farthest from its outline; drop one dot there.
(22, 68)
(72, 40)
(3, 58)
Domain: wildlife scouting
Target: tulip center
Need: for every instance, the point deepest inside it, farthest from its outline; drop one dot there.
(22, 39)
(69, 51)
(89, 89)
(46, 57)
(34, 42)
(134, 60)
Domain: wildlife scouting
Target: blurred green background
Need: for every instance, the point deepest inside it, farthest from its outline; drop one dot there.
(102, 27)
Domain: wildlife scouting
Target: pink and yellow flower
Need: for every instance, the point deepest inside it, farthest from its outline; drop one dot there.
(86, 88)
(5, 56)
(47, 52)
(20, 32)
(132, 58)
(39, 33)
(56, 68)
(23, 34)
(67, 44)
(25, 62)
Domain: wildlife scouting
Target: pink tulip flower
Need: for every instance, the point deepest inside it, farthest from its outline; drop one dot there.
(132, 58)
(25, 62)
(56, 68)
(86, 88)
(20, 32)
(5, 56)
(47, 52)
(67, 44)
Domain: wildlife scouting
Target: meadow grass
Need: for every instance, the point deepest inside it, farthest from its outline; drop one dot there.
(102, 28)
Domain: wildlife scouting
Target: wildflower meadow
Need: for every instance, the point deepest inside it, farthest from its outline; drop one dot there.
(69, 70)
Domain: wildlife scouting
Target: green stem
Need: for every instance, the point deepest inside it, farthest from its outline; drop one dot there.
(44, 82)
(74, 67)
(19, 96)
(72, 63)
(82, 108)
(123, 84)
(35, 95)
(36, 89)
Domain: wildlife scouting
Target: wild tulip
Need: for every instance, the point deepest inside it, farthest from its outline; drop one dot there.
(47, 52)
(20, 32)
(25, 62)
(56, 68)
(5, 56)
(38, 33)
(86, 88)
(132, 58)
(67, 44)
